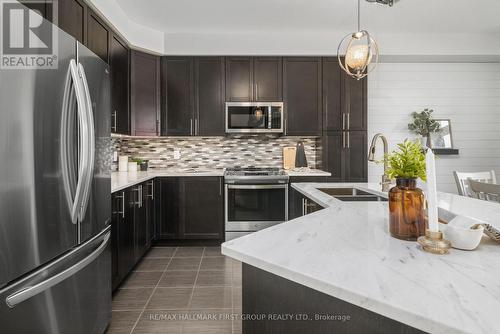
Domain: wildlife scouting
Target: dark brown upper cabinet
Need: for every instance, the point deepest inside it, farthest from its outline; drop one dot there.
(72, 16)
(144, 94)
(98, 36)
(332, 107)
(254, 79)
(209, 96)
(354, 102)
(177, 90)
(268, 79)
(192, 96)
(302, 96)
(239, 79)
(119, 65)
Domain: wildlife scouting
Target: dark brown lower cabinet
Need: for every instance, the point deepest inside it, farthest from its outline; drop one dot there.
(122, 234)
(345, 156)
(298, 204)
(130, 229)
(190, 208)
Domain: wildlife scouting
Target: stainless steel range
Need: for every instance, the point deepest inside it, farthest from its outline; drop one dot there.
(255, 198)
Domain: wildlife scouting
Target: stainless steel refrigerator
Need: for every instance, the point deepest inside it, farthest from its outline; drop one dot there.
(55, 260)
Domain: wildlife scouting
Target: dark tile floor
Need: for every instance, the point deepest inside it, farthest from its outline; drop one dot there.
(188, 290)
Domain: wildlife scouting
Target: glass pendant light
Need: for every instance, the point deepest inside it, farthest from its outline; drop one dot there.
(360, 50)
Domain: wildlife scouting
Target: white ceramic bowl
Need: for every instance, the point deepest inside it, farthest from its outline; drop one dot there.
(462, 238)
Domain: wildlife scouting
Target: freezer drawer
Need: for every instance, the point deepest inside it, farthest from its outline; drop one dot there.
(69, 295)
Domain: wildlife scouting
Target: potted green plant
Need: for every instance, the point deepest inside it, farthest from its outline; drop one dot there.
(141, 163)
(423, 124)
(406, 201)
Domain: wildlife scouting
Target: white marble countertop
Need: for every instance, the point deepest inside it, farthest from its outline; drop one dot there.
(345, 251)
(122, 180)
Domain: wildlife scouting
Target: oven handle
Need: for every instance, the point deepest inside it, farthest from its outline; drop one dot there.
(257, 186)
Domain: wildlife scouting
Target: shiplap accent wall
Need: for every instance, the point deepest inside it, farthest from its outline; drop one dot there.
(466, 93)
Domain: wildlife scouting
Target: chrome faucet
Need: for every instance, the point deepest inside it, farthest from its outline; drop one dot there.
(386, 181)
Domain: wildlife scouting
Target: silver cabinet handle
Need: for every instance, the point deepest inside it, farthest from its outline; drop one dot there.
(303, 206)
(91, 144)
(343, 139)
(196, 127)
(220, 186)
(140, 196)
(152, 190)
(122, 197)
(348, 139)
(191, 126)
(348, 121)
(256, 91)
(157, 127)
(31, 291)
(343, 121)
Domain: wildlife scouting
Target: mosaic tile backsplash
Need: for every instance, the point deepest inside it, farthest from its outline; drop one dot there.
(215, 152)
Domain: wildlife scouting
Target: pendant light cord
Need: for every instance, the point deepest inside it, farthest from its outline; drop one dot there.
(359, 16)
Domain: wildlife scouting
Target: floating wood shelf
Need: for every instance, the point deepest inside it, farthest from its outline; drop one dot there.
(446, 151)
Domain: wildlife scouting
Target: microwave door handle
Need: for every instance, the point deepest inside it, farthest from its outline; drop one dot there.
(269, 119)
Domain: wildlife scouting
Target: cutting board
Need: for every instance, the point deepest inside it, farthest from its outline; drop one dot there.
(289, 157)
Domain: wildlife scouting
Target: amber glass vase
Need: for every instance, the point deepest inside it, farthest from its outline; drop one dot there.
(406, 210)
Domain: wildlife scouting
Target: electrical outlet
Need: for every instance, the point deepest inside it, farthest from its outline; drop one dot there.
(115, 156)
(177, 154)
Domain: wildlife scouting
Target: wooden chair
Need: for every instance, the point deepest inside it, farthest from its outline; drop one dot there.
(485, 191)
(462, 180)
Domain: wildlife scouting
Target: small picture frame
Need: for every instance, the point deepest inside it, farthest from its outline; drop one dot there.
(442, 138)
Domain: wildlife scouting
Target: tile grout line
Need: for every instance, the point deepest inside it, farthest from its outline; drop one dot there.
(153, 292)
(196, 279)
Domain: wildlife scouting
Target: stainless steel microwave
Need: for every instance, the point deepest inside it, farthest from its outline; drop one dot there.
(254, 117)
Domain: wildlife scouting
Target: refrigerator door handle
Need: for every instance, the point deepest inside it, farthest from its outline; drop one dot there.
(82, 143)
(90, 141)
(31, 291)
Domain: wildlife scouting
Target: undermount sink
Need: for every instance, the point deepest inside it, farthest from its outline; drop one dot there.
(352, 195)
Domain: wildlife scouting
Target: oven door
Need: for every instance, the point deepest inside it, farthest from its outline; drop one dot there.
(254, 207)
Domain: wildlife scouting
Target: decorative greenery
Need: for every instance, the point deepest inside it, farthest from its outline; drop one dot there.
(138, 160)
(423, 124)
(408, 162)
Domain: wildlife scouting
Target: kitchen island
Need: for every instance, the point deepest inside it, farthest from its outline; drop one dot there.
(341, 264)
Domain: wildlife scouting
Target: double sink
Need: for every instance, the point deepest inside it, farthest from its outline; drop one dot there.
(352, 195)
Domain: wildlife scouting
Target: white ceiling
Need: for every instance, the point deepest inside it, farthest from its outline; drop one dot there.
(216, 16)
(307, 27)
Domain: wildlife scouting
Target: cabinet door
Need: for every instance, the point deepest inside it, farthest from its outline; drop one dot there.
(202, 201)
(119, 64)
(98, 36)
(116, 220)
(354, 102)
(332, 111)
(140, 221)
(356, 157)
(209, 96)
(268, 79)
(177, 85)
(145, 94)
(150, 211)
(239, 79)
(302, 95)
(72, 18)
(126, 240)
(333, 154)
(168, 208)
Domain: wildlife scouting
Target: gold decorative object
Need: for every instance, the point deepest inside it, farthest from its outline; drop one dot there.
(433, 242)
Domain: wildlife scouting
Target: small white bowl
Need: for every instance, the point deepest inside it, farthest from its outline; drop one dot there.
(462, 238)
